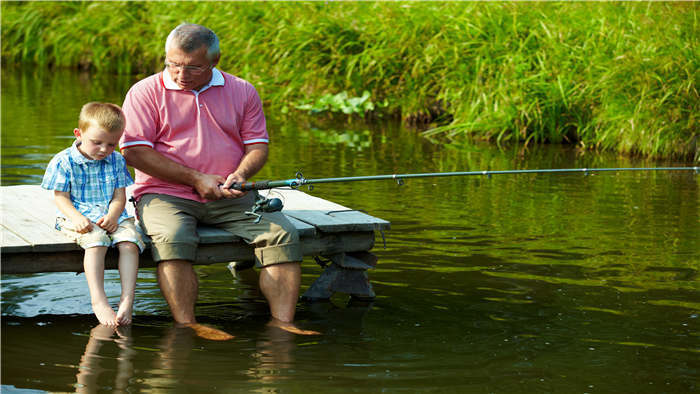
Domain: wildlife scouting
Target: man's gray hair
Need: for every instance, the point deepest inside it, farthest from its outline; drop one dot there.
(189, 37)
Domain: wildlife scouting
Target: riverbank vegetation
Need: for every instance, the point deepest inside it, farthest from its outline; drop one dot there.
(608, 76)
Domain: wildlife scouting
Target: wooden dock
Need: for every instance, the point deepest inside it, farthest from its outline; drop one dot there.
(339, 235)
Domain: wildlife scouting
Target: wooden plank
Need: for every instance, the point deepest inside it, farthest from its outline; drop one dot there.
(325, 215)
(339, 221)
(333, 243)
(20, 216)
(72, 261)
(38, 200)
(13, 242)
(28, 213)
(304, 229)
(294, 199)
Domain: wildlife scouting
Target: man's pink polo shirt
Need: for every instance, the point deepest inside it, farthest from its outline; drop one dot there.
(206, 130)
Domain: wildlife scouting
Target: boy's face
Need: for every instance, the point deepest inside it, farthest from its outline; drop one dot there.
(96, 143)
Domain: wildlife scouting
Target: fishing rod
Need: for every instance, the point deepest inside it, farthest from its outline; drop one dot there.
(399, 178)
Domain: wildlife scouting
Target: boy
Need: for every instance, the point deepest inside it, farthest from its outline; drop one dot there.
(88, 180)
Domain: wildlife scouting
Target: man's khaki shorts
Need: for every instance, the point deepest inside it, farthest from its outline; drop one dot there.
(171, 222)
(126, 232)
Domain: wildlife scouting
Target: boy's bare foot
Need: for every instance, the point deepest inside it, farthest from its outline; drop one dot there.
(210, 333)
(126, 307)
(105, 314)
(102, 332)
(123, 332)
(290, 327)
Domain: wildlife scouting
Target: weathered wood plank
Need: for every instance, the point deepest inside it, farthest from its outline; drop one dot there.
(304, 229)
(66, 261)
(338, 221)
(325, 215)
(13, 241)
(294, 199)
(23, 216)
(30, 213)
(30, 243)
(38, 200)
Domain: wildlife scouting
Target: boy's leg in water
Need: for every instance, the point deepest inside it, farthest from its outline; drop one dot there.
(128, 269)
(94, 266)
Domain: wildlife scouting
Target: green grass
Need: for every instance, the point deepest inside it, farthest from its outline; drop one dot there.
(604, 76)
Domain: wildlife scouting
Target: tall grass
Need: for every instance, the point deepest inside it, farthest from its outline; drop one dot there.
(609, 76)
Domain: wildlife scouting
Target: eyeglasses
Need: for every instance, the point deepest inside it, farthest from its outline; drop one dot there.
(194, 70)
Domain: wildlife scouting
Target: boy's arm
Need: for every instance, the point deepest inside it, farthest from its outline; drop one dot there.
(110, 221)
(64, 204)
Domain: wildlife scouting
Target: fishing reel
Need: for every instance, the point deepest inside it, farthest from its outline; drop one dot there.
(263, 204)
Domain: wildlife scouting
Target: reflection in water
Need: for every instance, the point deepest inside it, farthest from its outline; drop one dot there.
(172, 362)
(92, 362)
(274, 353)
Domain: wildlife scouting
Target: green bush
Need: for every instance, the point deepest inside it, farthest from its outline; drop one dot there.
(609, 76)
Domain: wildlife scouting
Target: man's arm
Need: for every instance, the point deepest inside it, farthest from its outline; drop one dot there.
(253, 161)
(153, 163)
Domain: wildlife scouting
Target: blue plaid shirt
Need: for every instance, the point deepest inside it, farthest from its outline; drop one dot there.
(91, 183)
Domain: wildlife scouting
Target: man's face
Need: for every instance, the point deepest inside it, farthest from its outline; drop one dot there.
(190, 71)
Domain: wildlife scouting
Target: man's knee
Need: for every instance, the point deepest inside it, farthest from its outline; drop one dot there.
(283, 276)
(175, 265)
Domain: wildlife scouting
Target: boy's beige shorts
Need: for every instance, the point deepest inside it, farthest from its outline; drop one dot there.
(171, 222)
(126, 232)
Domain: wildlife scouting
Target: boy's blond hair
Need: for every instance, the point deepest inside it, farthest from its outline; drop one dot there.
(105, 115)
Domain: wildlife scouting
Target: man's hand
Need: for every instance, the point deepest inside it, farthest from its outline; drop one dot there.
(209, 186)
(108, 223)
(253, 160)
(232, 193)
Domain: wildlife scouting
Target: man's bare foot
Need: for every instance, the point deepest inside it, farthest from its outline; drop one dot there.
(126, 307)
(211, 333)
(105, 314)
(290, 327)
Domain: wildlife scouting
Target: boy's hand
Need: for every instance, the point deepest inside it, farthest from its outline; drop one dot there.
(107, 223)
(82, 224)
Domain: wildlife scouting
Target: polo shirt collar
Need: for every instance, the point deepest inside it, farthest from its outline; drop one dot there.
(78, 157)
(217, 79)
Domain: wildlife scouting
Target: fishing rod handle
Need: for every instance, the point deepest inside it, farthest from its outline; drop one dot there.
(246, 186)
(264, 185)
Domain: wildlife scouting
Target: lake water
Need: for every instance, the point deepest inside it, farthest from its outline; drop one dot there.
(512, 284)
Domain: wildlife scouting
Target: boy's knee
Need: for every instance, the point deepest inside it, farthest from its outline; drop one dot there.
(127, 247)
(96, 251)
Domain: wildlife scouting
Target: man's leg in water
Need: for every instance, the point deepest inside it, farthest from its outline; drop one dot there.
(171, 223)
(179, 285)
(279, 284)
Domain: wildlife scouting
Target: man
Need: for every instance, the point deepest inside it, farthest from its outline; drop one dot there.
(191, 132)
